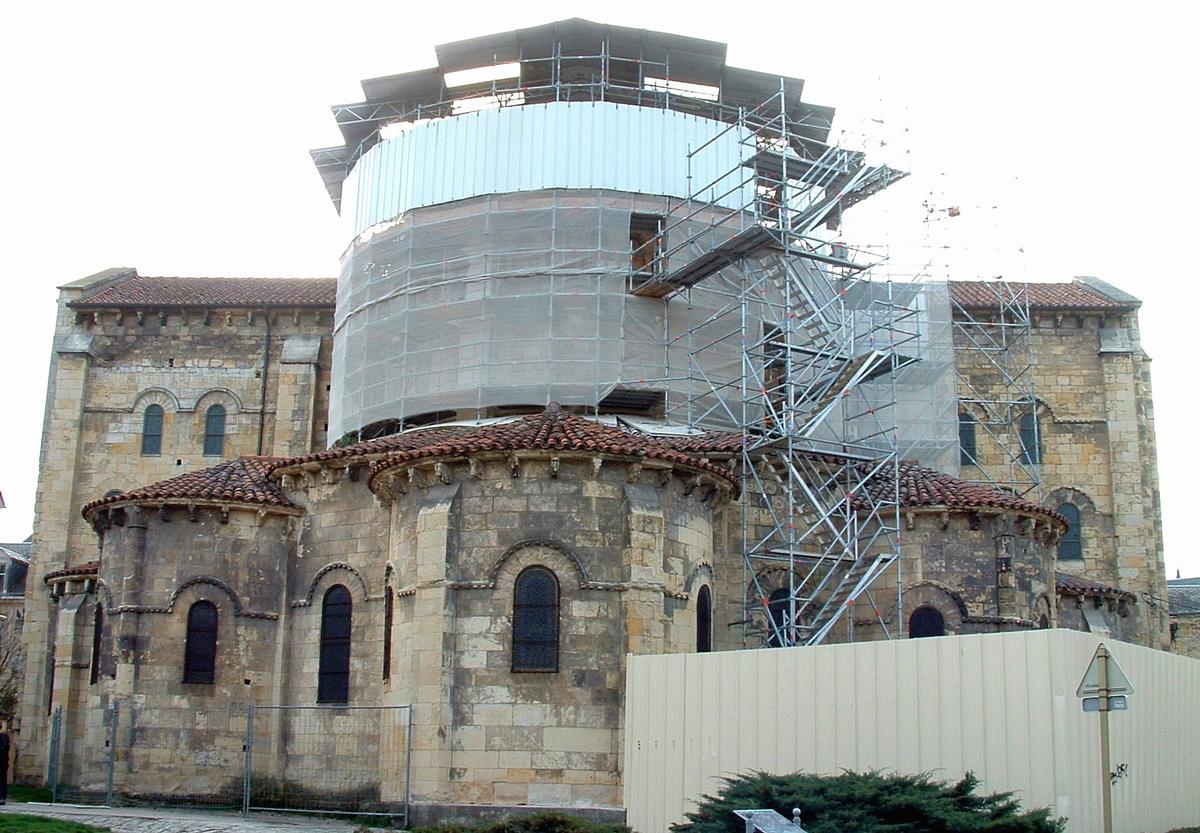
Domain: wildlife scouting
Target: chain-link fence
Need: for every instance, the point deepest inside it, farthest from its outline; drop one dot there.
(328, 759)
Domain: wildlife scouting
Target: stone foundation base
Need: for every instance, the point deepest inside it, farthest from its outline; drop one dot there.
(427, 815)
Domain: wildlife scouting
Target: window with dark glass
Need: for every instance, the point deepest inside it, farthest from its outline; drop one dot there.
(387, 634)
(779, 606)
(926, 621)
(97, 635)
(535, 621)
(200, 650)
(1031, 439)
(1070, 546)
(214, 431)
(967, 449)
(704, 620)
(333, 673)
(152, 429)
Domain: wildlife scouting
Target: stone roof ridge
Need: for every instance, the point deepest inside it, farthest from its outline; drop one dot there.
(146, 291)
(1107, 289)
(242, 481)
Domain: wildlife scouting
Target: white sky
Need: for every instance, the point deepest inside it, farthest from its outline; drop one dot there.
(175, 137)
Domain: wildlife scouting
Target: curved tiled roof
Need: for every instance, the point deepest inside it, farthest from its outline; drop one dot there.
(926, 487)
(138, 291)
(1074, 295)
(1072, 585)
(552, 430)
(407, 441)
(89, 568)
(243, 480)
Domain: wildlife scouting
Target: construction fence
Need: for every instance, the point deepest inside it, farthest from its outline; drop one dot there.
(327, 759)
(1003, 706)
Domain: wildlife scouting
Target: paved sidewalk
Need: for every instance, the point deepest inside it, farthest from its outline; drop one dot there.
(143, 820)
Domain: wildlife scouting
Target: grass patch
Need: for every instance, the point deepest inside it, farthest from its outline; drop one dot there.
(23, 792)
(40, 824)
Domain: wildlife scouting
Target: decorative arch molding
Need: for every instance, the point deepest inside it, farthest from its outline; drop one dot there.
(549, 543)
(946, 590)
(218, 396)
(169, 607)
(702, 573)
(162, 397)
(326, 570)
(1071, 495)
(105, 593)
(771, 578)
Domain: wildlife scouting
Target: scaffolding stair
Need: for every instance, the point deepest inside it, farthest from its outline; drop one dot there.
(855, 582)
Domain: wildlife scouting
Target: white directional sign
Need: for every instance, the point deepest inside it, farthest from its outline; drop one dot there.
(1118, 683)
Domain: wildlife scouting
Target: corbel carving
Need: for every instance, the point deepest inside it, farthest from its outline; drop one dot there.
(597, 462)
(476, 468)
(442, 472)
(635, 471)
(514, 466)
(554, 466)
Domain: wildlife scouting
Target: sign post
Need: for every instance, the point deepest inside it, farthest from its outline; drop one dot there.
(1104, 688)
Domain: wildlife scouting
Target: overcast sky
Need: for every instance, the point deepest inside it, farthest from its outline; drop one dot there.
(174, 138)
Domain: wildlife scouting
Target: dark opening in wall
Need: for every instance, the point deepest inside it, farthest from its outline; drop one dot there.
(629, 401)
(645, 242)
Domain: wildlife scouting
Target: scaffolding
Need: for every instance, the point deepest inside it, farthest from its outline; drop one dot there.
(999, 430)
(819, 344)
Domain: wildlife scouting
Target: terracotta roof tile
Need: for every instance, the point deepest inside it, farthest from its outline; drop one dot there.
(1072, 585)
(138, 291)
(240, 481)
(88, 568)
(1049, 296)
(925, 487)
(552, 429)
(383, 445)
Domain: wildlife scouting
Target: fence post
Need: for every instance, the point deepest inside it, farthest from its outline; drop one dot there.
(112, 753)
(249, 759)
(55, 738)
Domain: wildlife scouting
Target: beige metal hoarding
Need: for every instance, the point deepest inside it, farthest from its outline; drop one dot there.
(1001, 705)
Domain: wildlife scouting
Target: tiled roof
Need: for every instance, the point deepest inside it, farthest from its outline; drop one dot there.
(89, 568)
(1072, 585)
(138, 291)
(383, 445)
(552, 430)
(1075, 295)
(1183, 595)
(925, 487)
(22, 549)
(240, 481)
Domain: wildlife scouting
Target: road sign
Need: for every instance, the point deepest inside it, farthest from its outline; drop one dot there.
(1117, 703)
(1118, 683)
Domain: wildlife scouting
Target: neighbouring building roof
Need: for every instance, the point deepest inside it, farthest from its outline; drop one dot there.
(552, 430)
(1075, 295)
(20, 550)
(1183, 595)
(242, 481)
(138, 291)
(1071, 585)
(88, 568)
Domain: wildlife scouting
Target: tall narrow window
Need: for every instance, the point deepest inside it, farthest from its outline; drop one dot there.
(387, 635)
(333, 674)
(535, 621)
(1070, 546)
(704, 620)
(152, 427)
(214, 431)
(926, 621)
(967, 451)
(779, 606)
(97, 635)
(1031, 439)
(200, 651)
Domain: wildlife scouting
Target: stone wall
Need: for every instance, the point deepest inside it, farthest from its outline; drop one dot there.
(1096, 423)
(1185, 635)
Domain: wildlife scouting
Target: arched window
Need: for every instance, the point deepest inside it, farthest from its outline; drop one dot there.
(97, 635)
(1031, 439)
(1070, 546)
(333, 674)
(214, 431)
(704, 620)
(968, 452)
(152, 427)
(779, 606)
(926, 621)
(535, 621)
(387, 635)
(200, 650)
